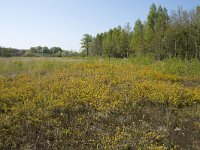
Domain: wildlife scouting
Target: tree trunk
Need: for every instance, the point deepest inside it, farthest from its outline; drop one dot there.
(175, 47)
(196, 49)
(87, 51)
(186, 42)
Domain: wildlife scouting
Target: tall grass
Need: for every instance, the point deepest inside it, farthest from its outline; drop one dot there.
(172, 66)
(179, 67)
(16, 65)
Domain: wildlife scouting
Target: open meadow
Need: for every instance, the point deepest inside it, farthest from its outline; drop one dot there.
(96, 103)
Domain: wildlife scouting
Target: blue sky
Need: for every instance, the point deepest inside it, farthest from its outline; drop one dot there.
(26, 23)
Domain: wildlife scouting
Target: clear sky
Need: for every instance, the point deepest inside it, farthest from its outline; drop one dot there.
(26, 23)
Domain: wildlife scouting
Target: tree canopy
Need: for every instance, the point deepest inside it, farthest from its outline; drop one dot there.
(161, 35)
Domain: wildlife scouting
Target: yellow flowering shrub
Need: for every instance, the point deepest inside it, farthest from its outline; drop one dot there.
(65, 105)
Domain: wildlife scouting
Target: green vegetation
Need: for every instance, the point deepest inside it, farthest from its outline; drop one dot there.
(127, 89)
(95, 103)
(38, 51)
(9, 52)
(161, 36)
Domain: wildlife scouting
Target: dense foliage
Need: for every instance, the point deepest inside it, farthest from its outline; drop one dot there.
(9, 52)
(37, 52)
(161, 36)
(58, 103)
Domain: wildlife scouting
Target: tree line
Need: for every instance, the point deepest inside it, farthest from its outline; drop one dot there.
(161, 36)
(9, 52)
(37, 52)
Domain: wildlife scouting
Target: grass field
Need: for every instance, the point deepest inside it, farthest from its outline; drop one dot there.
(93, 103)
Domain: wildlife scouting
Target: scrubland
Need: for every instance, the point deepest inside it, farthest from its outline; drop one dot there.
(95, 103)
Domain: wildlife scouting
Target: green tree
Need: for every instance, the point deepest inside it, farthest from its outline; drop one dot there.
(108, 43)
(116, 43)
(45, 50)
(126, 39)
(97, 45)
(86, 42)
(137, 37)
(55, 50)
(33, 50)
(196, 31)
(151, 22)
(160, 32)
